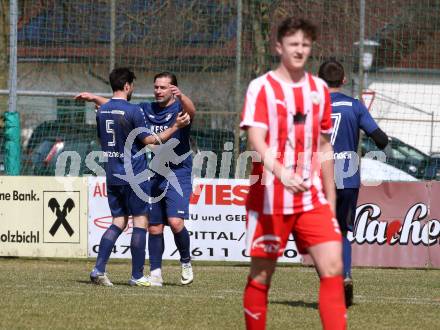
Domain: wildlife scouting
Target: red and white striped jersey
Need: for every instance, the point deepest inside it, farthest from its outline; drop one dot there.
(294, 116)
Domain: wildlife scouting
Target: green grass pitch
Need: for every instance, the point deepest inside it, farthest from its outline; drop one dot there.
(56, 294)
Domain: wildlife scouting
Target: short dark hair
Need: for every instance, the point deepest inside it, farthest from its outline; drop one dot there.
(291, 25)
(332, 72)
(119, 77)
(167, 74)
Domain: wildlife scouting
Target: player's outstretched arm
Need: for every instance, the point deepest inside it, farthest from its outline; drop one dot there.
(182, 120)
(187, 103)
(90, 97)
(327, 168)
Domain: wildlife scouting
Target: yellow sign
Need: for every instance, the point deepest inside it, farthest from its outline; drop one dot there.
(43, 216)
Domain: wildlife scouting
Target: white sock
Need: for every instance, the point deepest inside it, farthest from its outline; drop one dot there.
(186, 263)
(156, 272)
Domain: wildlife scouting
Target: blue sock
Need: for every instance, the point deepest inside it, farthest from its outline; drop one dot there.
(346, 255)
(108, 240)
(182, 242)
(137, 249)
(156, 247)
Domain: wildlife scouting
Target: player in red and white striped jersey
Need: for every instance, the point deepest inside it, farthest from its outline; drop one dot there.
(287, 116)
(293, 115)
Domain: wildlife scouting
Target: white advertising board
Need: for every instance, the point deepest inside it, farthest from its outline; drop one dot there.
(216, 224)
(43, 217)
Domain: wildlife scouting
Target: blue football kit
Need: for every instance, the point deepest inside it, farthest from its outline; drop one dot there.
(115, 120)
(172, 165)
(348, 116)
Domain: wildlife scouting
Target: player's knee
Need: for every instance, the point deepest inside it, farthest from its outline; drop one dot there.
(120, 222)
(140, 221)
(155, 229)
(176, 225)
(333, 267)
(262, 270)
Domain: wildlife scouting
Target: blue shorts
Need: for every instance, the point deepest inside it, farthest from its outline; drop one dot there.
(123, 201)
(346, 201)
(172, 204)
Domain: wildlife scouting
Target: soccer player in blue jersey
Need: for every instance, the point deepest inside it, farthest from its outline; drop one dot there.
(173, 181)
(115, 120)
(349, 116)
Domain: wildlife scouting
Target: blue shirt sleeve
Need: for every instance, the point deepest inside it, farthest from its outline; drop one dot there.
(366, 122)
(140, 121)
(97, 126)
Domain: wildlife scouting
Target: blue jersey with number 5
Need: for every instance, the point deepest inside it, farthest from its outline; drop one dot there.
(348, 116)
(115, 120)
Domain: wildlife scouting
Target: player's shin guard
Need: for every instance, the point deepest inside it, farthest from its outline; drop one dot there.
(346, 254)
(331, 303)
(108, 240)
(155, 250)
(137, 249)
(182, 242)
(255, 304)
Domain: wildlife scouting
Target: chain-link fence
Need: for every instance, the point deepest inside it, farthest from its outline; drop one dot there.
(389, 49)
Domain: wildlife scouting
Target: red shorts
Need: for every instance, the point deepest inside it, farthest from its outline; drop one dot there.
(267, 234)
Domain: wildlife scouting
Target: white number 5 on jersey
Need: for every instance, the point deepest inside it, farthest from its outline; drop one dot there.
(336, 119)
(108, 128)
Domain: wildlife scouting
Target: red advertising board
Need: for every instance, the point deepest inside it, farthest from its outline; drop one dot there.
(434, 220)
(397, 225)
